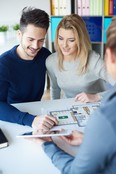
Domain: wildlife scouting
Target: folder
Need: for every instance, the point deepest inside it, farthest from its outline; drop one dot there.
(94, 27)
(54, 23)
(107, 21)
(106, 7)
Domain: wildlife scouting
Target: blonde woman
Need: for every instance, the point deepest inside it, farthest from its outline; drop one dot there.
(75, 69)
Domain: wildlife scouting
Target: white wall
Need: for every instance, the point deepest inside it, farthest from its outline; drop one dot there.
(10, 10)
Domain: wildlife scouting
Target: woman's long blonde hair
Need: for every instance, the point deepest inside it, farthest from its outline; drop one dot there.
(75, 23)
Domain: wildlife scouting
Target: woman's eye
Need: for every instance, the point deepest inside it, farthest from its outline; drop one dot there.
(60, 38)
(72, 40)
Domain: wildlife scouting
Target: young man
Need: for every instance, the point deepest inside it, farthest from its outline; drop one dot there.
(97, 153)
(22, 70)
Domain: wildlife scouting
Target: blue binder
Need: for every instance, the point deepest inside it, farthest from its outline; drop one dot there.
(107, 21)
(94, 27)
(54, 23)
(114, 7)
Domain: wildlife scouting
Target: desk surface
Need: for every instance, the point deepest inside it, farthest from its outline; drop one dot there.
(23, 156)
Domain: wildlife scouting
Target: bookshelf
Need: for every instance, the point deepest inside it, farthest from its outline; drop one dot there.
(96, 14)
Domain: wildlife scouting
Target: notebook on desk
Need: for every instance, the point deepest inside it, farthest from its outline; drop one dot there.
(3, 139)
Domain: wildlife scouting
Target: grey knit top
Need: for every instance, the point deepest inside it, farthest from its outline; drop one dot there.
(70, 82)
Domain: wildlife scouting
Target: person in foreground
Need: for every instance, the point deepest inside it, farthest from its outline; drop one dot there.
(97, 151)
(75, 69)
(22, 70)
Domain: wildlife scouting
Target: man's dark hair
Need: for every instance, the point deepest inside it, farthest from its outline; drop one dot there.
(34, 16)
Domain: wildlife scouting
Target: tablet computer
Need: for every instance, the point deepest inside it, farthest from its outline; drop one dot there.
(46, 134)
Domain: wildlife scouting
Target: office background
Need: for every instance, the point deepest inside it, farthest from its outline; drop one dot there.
(10, 10)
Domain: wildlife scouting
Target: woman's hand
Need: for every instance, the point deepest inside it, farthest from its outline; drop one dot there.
(75, 138)
(85, 97)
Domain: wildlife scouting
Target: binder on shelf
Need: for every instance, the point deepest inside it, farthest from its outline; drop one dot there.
(95, 8)
(61, 7)
(107, 21)
(111, 7)
(100, 8)
(54, 21)
(106, 7)
(114, 10)
(79, 7)
(84, 7)
(68, 7)
(64, 7)
(92, 10)
(56, 5)
(87, 9)
(52, 8)
(94, 27)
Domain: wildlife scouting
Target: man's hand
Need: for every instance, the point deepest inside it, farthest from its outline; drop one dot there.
(44, 123)
(75, 138)
(85, 98)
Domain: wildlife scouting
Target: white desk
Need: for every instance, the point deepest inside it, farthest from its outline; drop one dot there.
(26, 157)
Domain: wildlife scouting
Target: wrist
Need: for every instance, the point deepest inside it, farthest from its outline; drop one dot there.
(34, 121)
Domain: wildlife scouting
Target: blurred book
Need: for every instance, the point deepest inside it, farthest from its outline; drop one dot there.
(62, 7)
(114, 10)
(89, 7)
(111, 7)
(106, 7)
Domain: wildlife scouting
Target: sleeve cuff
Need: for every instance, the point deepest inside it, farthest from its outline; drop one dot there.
(50, 148)
(28, 119)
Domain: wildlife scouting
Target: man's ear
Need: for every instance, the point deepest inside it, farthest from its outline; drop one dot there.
(19, 34)
(110, 55)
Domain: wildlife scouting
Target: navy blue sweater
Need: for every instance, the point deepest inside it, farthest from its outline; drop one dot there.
(20, 81)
